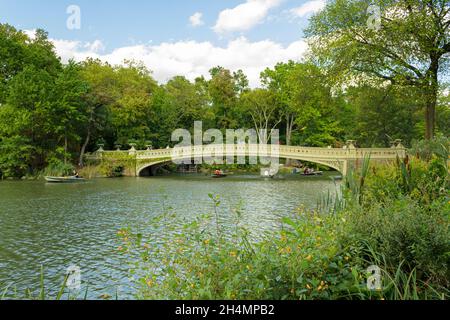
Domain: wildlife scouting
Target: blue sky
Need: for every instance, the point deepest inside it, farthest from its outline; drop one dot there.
(148, 30)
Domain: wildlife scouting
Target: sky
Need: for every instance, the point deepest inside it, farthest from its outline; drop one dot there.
(173, 37)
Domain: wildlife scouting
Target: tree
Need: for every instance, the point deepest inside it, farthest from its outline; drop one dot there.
(305, 100)
(185, 97)
(131, 110)
(100, 79)
(69, 110)
(16, 150)
(411, 48)
(15, 156)
(222, 89)
(241, 82)
(384, 114)
(262, 107)
(12, 55)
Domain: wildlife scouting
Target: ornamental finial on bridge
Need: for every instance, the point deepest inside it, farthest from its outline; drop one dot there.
(351, 144)
(398, 144)
(100, 148)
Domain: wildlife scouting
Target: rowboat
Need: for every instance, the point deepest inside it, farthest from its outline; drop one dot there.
(222, 175)
(63, 179)
(218, 174)
(266, 173)
(315, 173)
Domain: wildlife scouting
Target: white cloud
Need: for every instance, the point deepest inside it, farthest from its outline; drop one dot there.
(309, 7)
(245, 16)
(96, 46)
(30, 33)
(191, 58)
(196, 19)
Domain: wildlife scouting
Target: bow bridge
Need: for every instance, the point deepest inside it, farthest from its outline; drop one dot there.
(141, 163)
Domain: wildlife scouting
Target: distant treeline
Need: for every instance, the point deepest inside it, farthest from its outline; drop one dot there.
(53, 113)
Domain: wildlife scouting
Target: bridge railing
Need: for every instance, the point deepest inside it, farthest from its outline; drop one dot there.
(263, 150)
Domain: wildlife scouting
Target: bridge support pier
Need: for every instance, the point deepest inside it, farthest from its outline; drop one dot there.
(344, 168)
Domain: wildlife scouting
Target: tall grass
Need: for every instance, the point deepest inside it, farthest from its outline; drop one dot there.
(10, 292)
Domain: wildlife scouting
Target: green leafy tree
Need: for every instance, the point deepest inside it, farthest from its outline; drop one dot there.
(261, 105)
(69, 111)
(12, 55)
(100, 78)
(411, 47)
(185, 97)
(131, 110)
(222, 90)
(305, 100)
(384, 114)
(16, 150)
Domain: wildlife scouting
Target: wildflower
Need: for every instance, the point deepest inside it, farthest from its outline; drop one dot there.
(206, 242)
(150, 282)
(288, 250)
(308, 287)
(233, 254)
(309, 258)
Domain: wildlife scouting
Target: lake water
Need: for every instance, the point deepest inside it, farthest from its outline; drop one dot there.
(59, 225)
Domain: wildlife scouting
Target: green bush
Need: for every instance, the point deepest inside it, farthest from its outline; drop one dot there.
(426, 149)
(57, 167)
(404, 233)
(15, 153)
(423, 181)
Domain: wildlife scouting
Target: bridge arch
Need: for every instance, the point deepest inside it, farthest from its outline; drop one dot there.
(145, 169)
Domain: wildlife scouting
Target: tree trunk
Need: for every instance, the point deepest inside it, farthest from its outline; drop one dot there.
(431, 94)
(83, 148)
(430, 118)
(65, 149)
(86, 142)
